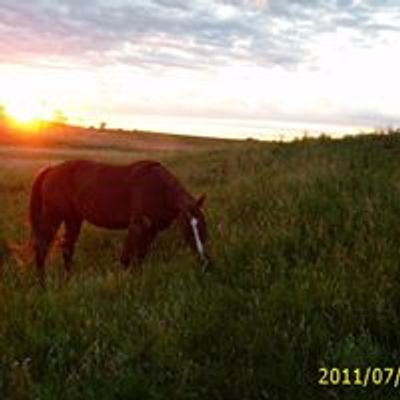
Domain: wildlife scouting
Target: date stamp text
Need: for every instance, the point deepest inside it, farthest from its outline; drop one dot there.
(363, 377)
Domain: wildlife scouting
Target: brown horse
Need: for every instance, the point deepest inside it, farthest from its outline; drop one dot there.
(143, 197)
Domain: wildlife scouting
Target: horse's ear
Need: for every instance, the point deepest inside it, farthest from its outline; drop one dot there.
(200, 201)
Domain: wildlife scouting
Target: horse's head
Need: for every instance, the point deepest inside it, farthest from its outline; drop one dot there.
(194, 228)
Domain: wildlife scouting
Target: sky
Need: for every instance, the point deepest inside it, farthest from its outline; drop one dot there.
(233, 68)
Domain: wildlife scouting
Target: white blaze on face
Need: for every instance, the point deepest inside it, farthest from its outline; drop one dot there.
(200, 248)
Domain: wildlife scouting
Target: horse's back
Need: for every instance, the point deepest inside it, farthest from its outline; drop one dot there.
(101, 193)
(107, 195)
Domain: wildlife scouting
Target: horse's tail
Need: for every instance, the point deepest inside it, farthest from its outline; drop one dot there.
(35, 203)
(23, 253)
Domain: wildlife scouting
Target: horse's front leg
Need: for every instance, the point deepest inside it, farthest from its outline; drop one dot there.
(138, 241)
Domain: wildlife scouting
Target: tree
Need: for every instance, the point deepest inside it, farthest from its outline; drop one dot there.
(3, 117)
(3, 114)
(59, 117)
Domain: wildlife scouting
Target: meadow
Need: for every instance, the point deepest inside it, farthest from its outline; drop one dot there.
(305, 238)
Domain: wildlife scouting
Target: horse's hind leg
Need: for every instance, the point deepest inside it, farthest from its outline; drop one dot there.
(72, 230)
(41, 247)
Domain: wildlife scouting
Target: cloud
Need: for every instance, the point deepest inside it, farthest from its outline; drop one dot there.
(181, 34)
(327, 44)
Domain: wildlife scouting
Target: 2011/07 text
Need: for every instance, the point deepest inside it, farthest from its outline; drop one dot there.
(363, 377)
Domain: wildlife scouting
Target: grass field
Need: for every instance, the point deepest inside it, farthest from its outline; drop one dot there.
(305, 238)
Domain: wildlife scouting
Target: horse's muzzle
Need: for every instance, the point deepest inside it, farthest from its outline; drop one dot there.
(206, 264)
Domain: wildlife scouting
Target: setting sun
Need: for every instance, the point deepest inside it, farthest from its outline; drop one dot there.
(25, 113)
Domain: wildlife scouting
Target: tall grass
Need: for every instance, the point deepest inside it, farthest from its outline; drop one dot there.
(306, 245)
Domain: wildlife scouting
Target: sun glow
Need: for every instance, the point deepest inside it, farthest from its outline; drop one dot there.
(25, 114)
(32, 94)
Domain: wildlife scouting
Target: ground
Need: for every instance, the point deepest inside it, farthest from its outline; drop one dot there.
(305, 241)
